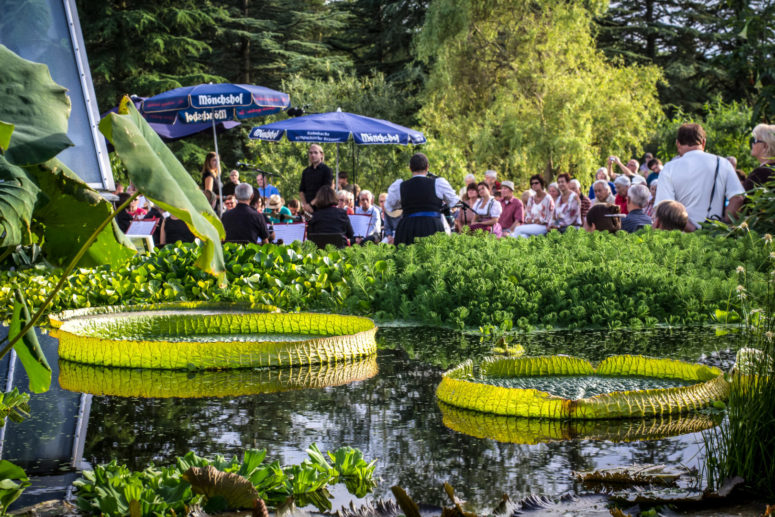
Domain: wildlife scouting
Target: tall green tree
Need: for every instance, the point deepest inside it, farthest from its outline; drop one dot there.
(706, 49)
(146, 47)
(520, 87)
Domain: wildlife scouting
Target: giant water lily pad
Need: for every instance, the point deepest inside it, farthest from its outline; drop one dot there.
(507, 386)
(154, 383)
(203, 338)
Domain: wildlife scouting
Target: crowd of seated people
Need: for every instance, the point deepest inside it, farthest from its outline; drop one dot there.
(622, 197)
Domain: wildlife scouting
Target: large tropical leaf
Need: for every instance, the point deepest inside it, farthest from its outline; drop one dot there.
(18, 196)
(9, 489)
(6, 130)
(73, 211)
(27, 348)
(37, 107)
(161, 178)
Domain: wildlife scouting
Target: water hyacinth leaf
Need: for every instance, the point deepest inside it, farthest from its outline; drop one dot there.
(156, 173)
(27, 348)
(18, 196)
(69, 216)
(14, 405)
(211, 482)
(37, 107)
(10, 490)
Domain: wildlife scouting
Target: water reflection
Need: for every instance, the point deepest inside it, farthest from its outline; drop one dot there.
(147, 383)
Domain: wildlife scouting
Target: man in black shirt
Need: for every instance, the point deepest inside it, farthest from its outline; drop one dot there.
(242, 223)
(314, 177)
(228, 187)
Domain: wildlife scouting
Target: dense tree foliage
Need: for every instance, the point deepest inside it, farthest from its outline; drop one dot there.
(521, 88)
(710, 48)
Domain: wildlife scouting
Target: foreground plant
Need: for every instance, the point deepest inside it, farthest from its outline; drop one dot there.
(218, 484)
(744, 445)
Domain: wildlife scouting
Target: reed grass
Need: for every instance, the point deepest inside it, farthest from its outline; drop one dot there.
(744, 445)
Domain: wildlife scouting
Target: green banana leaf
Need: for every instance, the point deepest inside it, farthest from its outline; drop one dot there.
(37, 107)
(70, 215)
(161, 178)
(9, 489)
(5, 135)
(27, 348)
(18, 196)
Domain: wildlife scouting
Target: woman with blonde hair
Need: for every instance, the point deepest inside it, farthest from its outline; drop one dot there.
(763, 149)
(211, 177)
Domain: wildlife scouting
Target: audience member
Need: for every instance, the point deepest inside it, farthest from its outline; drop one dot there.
(469, 179)
(211, 173)
(275, 212)
(512, 214)
(538, 212)
(487, 210)
(603, 193)
(230, 202)
(637, 199)
(644, 167)
(295, 207)
(584, 202)
(622, 183)
(342, 182)
(601, 174)
(653, 191)
(242, 223)
(763, 149)
(671, 215)
(366, 207)
(655, 166)
(327, 217)
(603, 217)
(700, 181)
(174, 230)
(491, 178)
(264, 189)
(229, 186)
(554, 191)
(567, 208)
(628, 170)
(526, 195)
(466, 215)
(345, 201)
(124, 218)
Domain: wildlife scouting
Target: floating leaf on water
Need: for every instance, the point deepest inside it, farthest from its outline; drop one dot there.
(633, 475)
(211, 482)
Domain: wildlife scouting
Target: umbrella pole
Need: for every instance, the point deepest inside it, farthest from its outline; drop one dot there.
(218, 163)
(337, 168)
(355, 176)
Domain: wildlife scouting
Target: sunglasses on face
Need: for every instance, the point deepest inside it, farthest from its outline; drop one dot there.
(754, 141)
(535, 182)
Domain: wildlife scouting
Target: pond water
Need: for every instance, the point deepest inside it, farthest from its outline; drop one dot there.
(391, 415)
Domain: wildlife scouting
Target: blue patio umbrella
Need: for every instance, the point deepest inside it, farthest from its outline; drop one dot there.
(213, 103)
(338, 127)
(177, 130)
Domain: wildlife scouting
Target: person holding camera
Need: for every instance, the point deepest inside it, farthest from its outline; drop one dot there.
(421, 198)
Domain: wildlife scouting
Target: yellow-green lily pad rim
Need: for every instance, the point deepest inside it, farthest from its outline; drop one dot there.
(56, 320)
(100, 339)
(458, 390)
(155, 383)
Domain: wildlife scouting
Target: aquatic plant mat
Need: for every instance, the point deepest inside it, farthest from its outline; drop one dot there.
(206, 338)
(521, 387)
(154, 383)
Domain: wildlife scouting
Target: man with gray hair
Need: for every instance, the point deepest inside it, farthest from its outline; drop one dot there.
(243, 223)
(638, 197)
(366, 207)
(491, 178)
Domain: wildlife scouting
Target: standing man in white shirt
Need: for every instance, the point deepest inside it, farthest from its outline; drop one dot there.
(701, 181)
(421, 198)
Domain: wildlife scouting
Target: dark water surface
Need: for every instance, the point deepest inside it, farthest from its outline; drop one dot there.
(392, 416)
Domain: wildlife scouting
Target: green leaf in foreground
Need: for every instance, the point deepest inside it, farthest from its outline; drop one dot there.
(161, 178)
(70, 216)
(37, 107)
(6, 130)
(18, 195)
(28, 349)
(10, 490)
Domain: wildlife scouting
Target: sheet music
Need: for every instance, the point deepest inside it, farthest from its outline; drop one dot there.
(361, 224)
(145, 227)
(289, 233)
